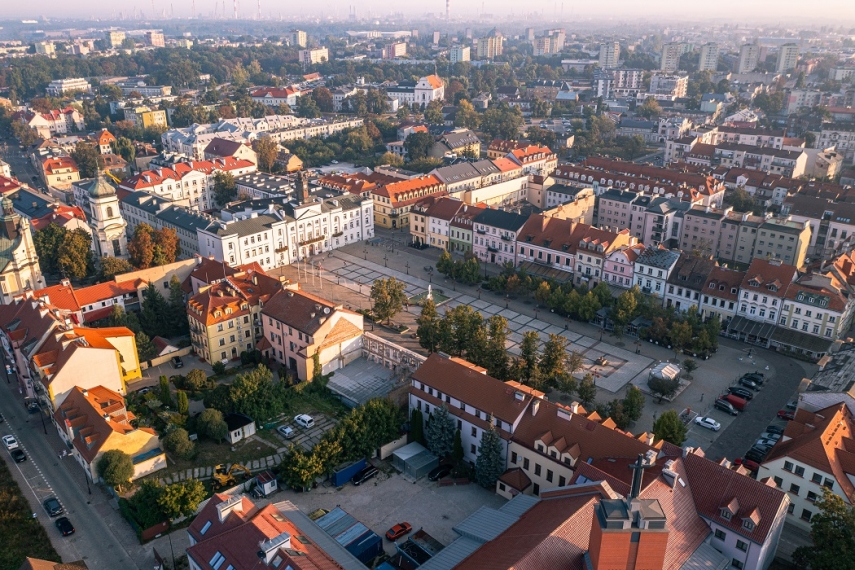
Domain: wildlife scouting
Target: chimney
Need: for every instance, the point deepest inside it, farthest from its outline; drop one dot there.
(535, 405)
(84, 391)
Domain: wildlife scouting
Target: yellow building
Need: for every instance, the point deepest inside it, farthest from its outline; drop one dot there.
(393, 201)
(146, 117)
(95, 420)
(59, 171)
(224, 317)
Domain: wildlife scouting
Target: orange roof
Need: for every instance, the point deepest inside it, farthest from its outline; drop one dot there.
(434, 81)
(532, 153)
(104, 137)
(104, 291)
(506, 164)
(52, 164)
(61, 296)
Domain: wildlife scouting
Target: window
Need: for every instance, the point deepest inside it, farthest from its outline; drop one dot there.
(817, 478)
(788, 466)
(536, 489)
(778, 481)
(719, 534)
(800, 471)
(537, 468)
(741, 546)
(472, 449)
(514, 457)
(794, 489)
(806, 515)
(791, 509)
(737, 564)
(561, 481)
(525, 463)
(811, 496)
(549, 475)
(828, 483)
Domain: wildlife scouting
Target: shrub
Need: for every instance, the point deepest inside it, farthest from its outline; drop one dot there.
(177, 442)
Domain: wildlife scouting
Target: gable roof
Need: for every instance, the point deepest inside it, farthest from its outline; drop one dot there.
(301, 310)
(501, 219)
(768, 273)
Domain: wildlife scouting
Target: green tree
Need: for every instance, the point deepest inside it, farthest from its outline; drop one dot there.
(145, 348)
(542, 294)
(587, 390)
(123, 147)
(445, 264)
(74, 257)
(428, 326)
(433, 113)
(211, 424)
(120, 318)
(254, 394)
(299, 467)
(489, 465)
(196, 380)
(418, 145)
(181, 499)
(391, 159)
(669, 427)
(165, 394)
(496, 351)
(307, 108)
(527, 363)
(47, 242)
(182, 403)
(625, 309)
(575, 362)
(457, 451)
(177, 442)
(588, 307)
(690, 365)
(417, 426)
(650, 109)
(388, 298)
(681, 335)
(323, 98)
(225, 189)
(112, 266)
(832, 531)
(740, 199)
(466, 116)
(616, 411)
(266, 149)
(115, 468)
(502, 121)
(87, 158)
(154, 312)
(633, 403)
(553, 358)
(440, 431)
(165, 247)
(663, 387)
(178, 322)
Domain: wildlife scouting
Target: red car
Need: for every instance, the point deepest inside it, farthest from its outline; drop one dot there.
(398, 531)
(747, 463)
(786, 415)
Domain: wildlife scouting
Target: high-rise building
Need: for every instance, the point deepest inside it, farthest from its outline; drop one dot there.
(154, 38)
(436, 37)
(489, 47)
(609, 55)
(669, 61)
(529, 34)
(708, 60)
(749, 55)
(459, 53)
(395, 49)
(115, 38)
(312, 56)
(298, 38)
(788, 56)
(45, 48)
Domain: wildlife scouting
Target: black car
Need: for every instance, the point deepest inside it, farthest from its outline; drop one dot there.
(176, 362)
(18, 455)
(53, 507)
(755, 376)
(755, 454)
(741, 392)
(775, 429)
(748, 383)
(2, 419)
(439, 472)
(33, 407)
(726, 406)
(64, 525)
(364, 475)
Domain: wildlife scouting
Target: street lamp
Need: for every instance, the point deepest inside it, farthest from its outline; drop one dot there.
(385, 257)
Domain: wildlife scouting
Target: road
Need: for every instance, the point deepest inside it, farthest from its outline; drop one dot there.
(44, 474)
(21, 167)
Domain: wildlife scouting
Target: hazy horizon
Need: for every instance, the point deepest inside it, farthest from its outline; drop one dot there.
(767, 12)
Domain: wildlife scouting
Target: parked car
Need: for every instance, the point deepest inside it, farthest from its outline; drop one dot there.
(756, 454)
(755, 377)
(439, 472)
(33, 407)
(53, 507)
(747, 463)
(763, 442)
(792, 405)
(305, 420)
(64, 525)
(772, 436)
(736, 401)
(786, 415)
(726, 406)
(364, 475)
(10, 442)
(286, 431)
(398, 531)
(18, 455)
(176, 362)
(708, 423)
(743, 393)
(748, 383)
(775, 429)
(2, 419)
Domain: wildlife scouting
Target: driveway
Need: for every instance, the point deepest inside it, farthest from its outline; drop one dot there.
(389, 499)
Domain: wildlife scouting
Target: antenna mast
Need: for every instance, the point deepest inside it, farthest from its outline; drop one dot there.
(447, 10)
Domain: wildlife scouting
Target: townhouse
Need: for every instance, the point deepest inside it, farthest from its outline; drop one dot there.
(720, 294)
(790, 163)
(593, 246)
(814, 453)
(701, 230)
(225, 316)
(189, 184)
(52, 123)
(394, 200)
(437, 218)
(93, 421)
(652, 269)
(495, 236)
(460, 231)
(832, 224)
(59, 171)
(225, 148)
(535, 159)
(761, 300)
(619, 266)
(841, 136)
(686, 282)
(275, 96)
(818, 304)
(302, 330)
(459, 142)
(546, 243)
(578, 202)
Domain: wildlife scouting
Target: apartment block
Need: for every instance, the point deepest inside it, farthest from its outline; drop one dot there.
(609, 55)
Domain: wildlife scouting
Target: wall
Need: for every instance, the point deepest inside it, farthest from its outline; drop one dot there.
(390, 448)
(86, 368)
(166, 357)
(509, 191)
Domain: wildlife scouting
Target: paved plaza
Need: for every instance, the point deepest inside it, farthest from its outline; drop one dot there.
(620, 368)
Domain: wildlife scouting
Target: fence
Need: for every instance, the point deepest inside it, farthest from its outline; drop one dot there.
(158, 360)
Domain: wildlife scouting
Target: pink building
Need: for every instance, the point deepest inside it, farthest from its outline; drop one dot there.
(619, 264)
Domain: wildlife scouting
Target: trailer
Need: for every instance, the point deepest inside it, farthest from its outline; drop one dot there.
(343, 473)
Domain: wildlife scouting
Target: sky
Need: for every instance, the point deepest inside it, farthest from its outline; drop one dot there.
(841, 12)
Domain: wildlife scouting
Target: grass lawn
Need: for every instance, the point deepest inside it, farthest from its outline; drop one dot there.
(209, 454)
(305, 402)
(20, 534)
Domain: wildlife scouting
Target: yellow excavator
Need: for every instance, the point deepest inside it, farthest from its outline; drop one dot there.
(227, 475)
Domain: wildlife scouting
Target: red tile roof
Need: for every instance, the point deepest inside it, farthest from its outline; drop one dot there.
(768, 274)
(721, 281)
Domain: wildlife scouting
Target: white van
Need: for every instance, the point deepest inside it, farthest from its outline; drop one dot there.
(305, 420)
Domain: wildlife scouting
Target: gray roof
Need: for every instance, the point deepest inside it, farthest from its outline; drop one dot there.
(501, 219)
(460, 139)
(265, 182)
(705, 557)
(661, 258)
(183, 218)
(620, 195)
(457, 172)
(638, 124)
(317, 535)
(485, 167)
(249, 226)
(145, 201)
(30, 204)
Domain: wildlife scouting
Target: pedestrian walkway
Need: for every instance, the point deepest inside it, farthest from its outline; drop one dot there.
(613, 367)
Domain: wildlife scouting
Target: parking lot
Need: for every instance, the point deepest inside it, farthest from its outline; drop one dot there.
(422, 504)
(308, 438)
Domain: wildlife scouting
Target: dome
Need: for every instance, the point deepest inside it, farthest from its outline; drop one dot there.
(100, 188)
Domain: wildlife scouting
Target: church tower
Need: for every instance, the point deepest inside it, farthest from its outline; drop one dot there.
(109, 237)
(19, 264)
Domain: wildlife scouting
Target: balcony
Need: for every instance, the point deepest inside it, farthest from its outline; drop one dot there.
(482, 232)
(506, 238)
(282, 249)
(492, 249)
(338, 234)
(313, 240)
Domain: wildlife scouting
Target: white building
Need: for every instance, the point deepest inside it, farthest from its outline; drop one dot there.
(652, 269)
(708, 58)
(749, 56)
(313, 56)
(60, 87)
(609, 55)
(19, 263)
(788, 57)
(459, 53)
(98, 199)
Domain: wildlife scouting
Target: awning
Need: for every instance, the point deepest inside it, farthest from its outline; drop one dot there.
(516, 479)
(748, 327)
(789, 338)
(546, 272)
